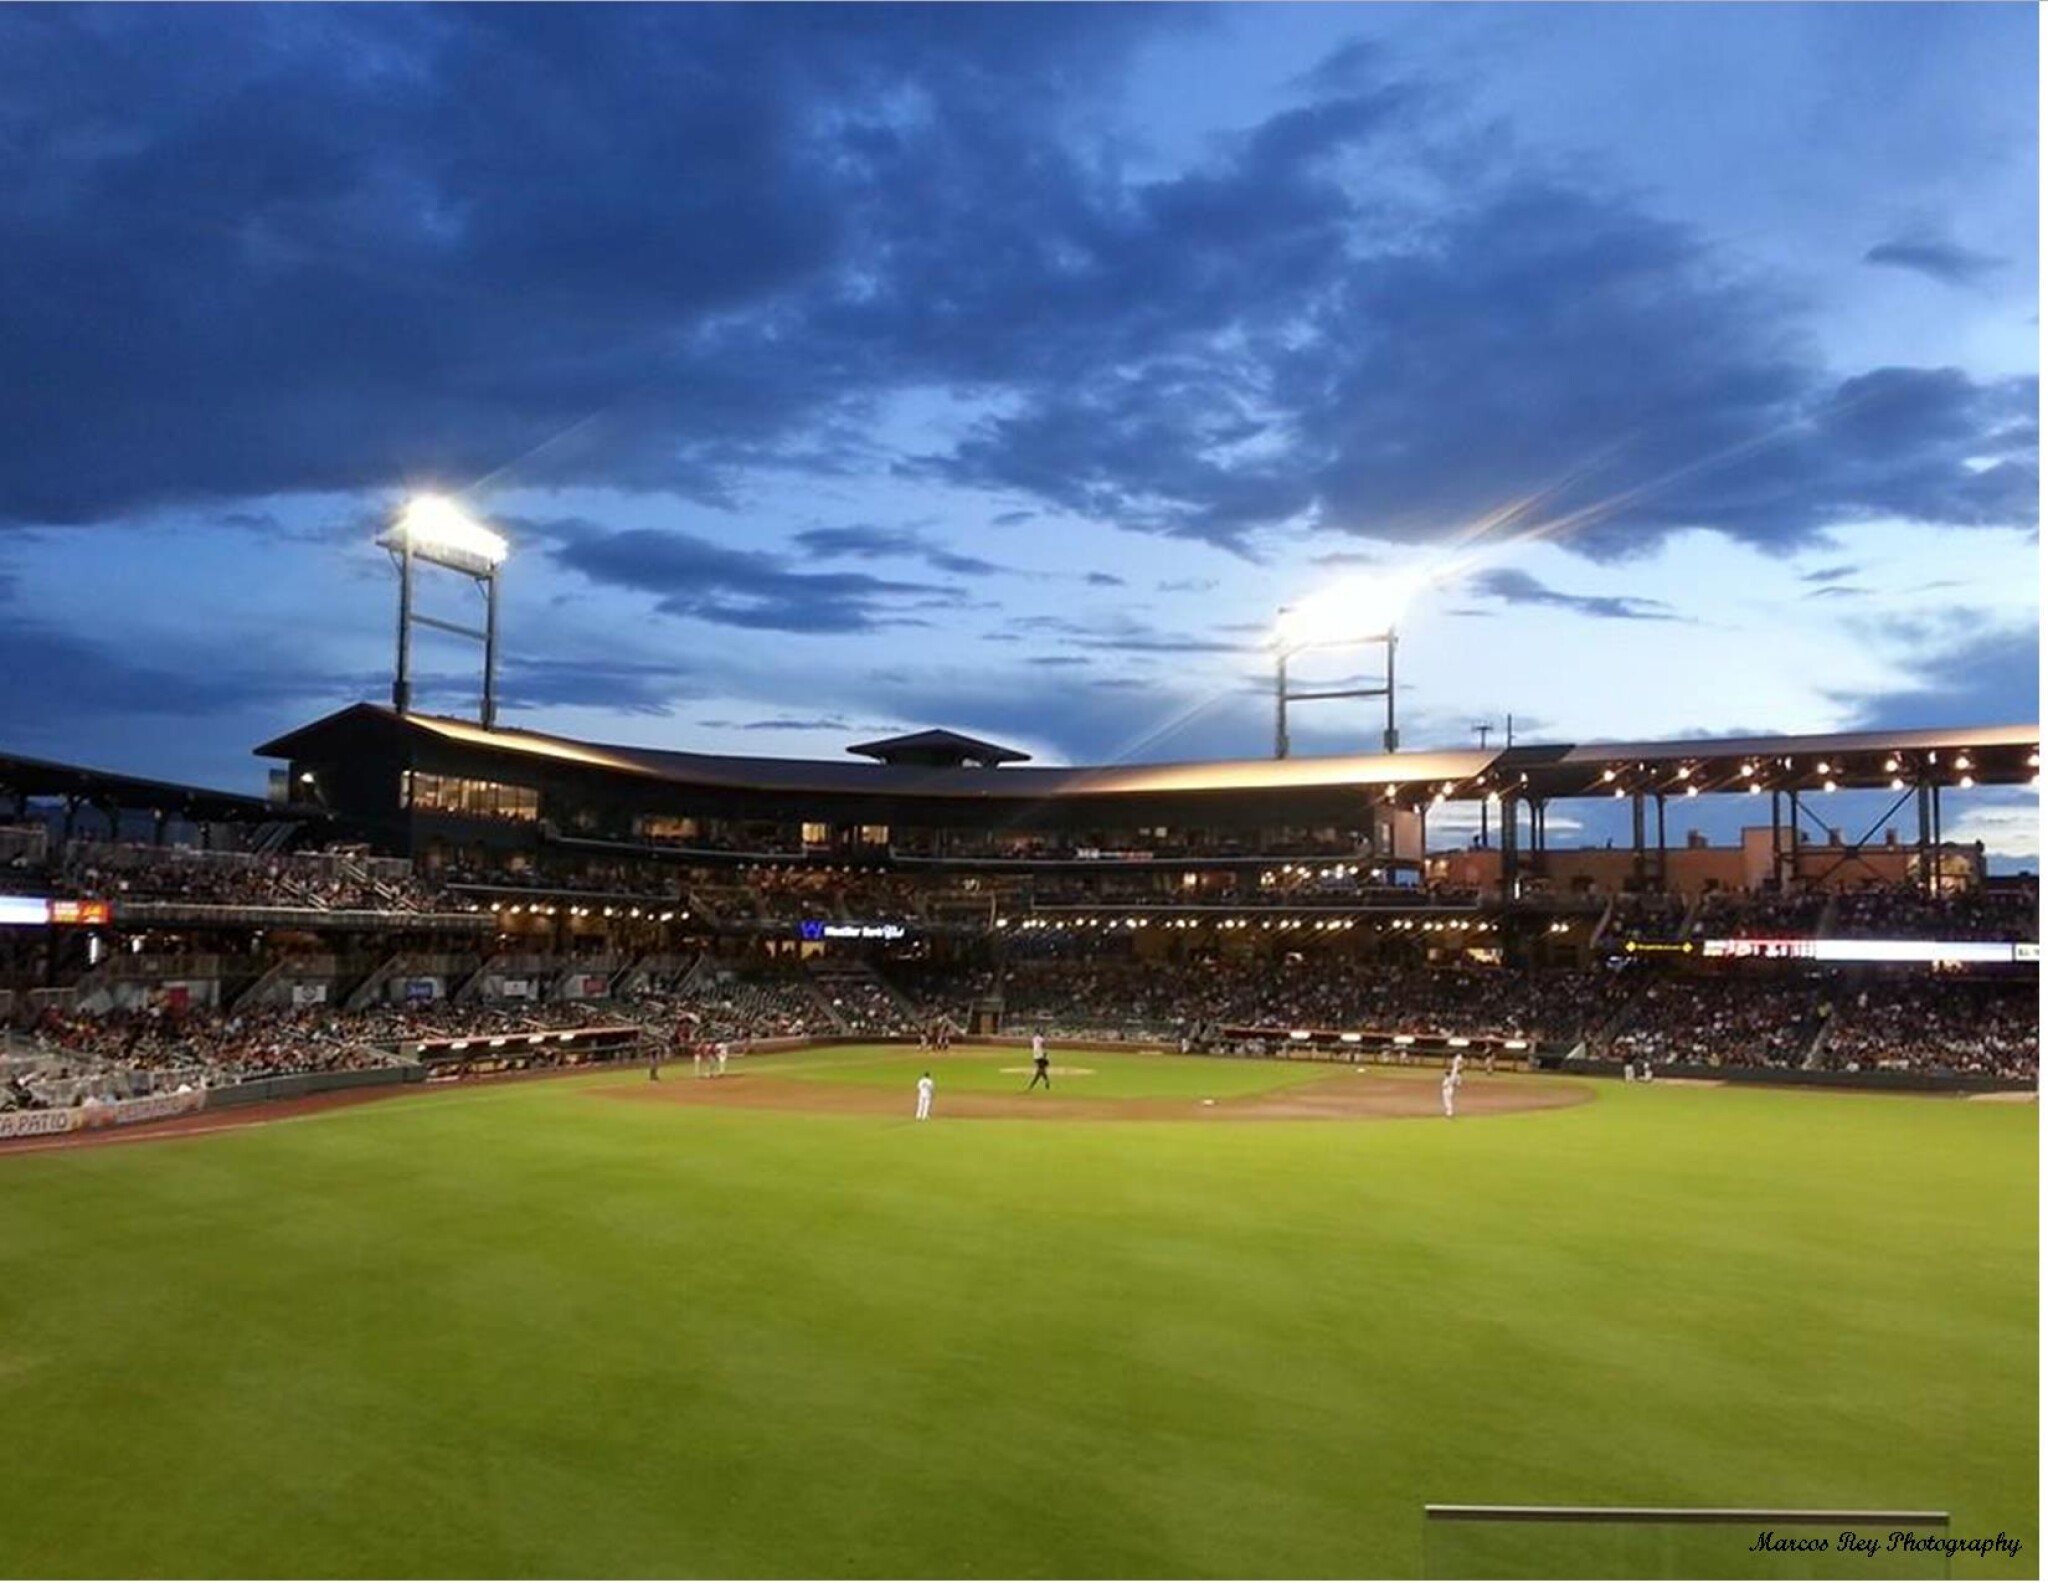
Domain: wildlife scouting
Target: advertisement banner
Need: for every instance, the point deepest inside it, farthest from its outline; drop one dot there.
(155, 1107)
(516, 988)
(30, 912)
(422, 989)
(818, 929)
(36, 1123)
(309, 994)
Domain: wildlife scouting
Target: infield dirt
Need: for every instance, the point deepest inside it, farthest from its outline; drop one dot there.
(1350, 1094)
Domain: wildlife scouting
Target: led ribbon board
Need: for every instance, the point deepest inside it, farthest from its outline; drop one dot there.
(1878, 950)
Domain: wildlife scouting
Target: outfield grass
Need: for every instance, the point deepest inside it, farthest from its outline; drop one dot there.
(535, 1329)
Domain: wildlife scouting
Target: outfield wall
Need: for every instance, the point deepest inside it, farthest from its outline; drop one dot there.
(262, 1089)
(1798, 1077)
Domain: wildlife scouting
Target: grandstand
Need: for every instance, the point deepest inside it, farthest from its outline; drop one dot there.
(416, 885)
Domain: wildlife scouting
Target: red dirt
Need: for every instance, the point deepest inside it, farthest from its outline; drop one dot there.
(1349, 1094)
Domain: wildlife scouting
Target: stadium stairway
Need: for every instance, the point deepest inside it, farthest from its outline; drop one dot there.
(365, 993)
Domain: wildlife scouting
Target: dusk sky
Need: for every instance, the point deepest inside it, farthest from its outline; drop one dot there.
(846, 369)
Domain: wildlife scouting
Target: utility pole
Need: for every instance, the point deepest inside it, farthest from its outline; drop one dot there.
(1484, 728)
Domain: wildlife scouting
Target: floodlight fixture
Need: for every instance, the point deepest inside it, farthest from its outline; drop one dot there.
(1356, 611)
(436, 531)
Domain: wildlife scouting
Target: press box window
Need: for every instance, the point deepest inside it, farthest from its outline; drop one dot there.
(476, 799)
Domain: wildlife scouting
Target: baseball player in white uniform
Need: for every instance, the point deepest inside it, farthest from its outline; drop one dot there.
(1450, 1096)
(723, 1050)
(924, 1097)
(1041, 1067)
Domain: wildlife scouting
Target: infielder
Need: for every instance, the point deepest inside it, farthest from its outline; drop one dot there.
(697, 1057)
(1450, 1096)
(924, 1097)
(1041, 1064)
(723, 1049)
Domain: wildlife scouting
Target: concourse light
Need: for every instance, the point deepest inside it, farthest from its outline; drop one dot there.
(1891, 765)
(1966, 783)
(1962, 761)
(1827, 785)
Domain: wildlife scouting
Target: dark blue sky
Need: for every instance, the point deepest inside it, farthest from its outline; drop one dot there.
(1007, 367)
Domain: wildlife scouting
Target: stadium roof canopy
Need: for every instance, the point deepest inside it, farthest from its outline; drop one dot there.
(1988, 756)
(27, 777)
(1857, 760)
(721, 771)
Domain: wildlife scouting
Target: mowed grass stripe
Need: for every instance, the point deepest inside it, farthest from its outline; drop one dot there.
(513, 1332)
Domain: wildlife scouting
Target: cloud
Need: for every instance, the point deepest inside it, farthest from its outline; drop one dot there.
(1937, 260)
(866, 542)
(1123, 633)
(686, 249)
(777, 723)
(1186, 585)
(2009, 825)
(367, 249)
(692, 577)
(52, 679)
(621, 686)
(1829, 574)
(1968, 669)
(1519, 588)
(1104, 580)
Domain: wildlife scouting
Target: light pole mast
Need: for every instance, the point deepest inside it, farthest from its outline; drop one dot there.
(1485, 729)
(433, 532)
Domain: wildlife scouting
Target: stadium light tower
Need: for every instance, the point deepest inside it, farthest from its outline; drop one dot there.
(1356, 612)
(438, 532)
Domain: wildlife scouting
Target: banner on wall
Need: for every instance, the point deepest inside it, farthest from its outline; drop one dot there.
(36, 1123)
(309, 994)
(95, 1113)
